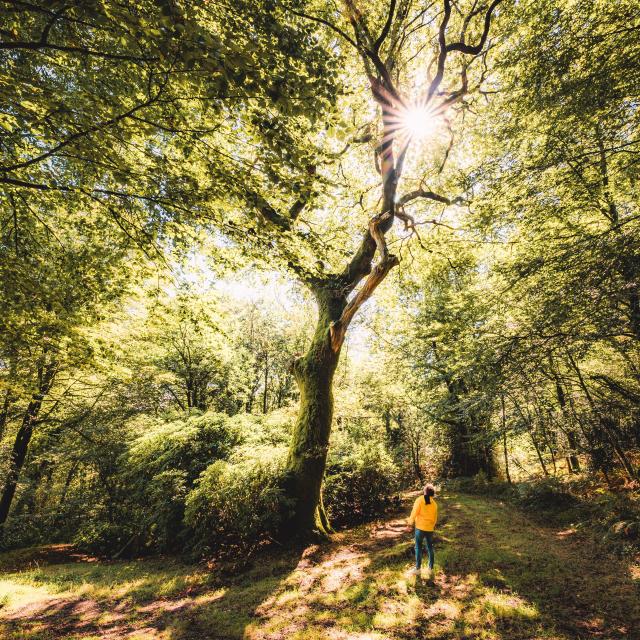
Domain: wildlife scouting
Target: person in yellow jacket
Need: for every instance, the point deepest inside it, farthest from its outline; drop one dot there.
(424, 516)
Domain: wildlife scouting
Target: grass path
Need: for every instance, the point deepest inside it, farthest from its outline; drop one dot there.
(498, 577)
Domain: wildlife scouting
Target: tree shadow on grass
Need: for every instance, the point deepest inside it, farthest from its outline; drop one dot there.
(144, 599)
(497, 577)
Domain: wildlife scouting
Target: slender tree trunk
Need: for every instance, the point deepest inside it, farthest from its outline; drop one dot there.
(572, 438)
(415, 456)
(175, 396)
(574, 463)
(606, 425)
(189, 391)
(4, 412)
(265, 395)
(8, 396)
(23, 437)
(537, 448)
(506, 457)
(65, 488)
(549, 444)
(504, 440)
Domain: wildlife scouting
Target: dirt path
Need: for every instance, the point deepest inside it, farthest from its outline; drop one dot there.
(498, 577)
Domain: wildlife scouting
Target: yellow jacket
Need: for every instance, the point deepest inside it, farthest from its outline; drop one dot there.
(424, 515)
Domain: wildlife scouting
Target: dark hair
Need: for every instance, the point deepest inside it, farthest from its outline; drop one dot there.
(428, 491)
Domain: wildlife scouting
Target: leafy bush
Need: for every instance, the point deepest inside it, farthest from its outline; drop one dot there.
(23, 531)
(143, 511)
(105, 538)
(360, 486)
(236, 506)
(187, 444)
(166, 495)
(549, 493)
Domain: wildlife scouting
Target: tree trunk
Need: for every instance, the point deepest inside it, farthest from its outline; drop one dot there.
(574, 463)
(572, 438)
(65, 488)
(506, 457)
(504, 439)
(414, 444)
(4, 412)
(310, 442)
(8, 396)
(23, 437)
(539, 453)
(265, 395)
(469, 454)
(606, 423)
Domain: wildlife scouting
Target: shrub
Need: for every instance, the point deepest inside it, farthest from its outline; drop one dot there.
(143, 511)
(166, 495)
(24, 530)
(187, 444)
(360, 486)
(236, 506)
(105, 538)
(549, 493)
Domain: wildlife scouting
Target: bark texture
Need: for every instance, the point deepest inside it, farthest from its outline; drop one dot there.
(310, 442)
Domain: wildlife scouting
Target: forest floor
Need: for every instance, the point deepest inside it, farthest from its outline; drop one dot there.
(498, 576)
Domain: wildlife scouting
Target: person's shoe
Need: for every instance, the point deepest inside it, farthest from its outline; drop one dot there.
(415, 572)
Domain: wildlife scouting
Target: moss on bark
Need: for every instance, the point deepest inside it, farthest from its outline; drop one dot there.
(310, 441)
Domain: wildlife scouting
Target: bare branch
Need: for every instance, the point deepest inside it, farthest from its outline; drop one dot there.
(442, 54)
(326, 23)
(385, 30)
(430, 195)
(477, 48)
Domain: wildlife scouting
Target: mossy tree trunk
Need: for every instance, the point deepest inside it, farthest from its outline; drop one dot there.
(310, 442)
(338, 301)
(314, 374)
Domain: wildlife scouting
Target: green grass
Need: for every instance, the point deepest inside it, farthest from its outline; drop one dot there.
(498, 576)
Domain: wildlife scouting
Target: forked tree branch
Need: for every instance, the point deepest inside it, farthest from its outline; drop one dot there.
(387, 261)
(444, 48)
(474, 50)
(389, 99)
(378, 274)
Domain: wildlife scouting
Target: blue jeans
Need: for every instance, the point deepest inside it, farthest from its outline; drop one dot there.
(422, 536)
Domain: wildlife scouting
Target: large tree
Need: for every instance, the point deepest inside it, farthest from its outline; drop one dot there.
(405, 89)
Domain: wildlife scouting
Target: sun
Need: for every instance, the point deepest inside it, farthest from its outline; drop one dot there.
(419, 122)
